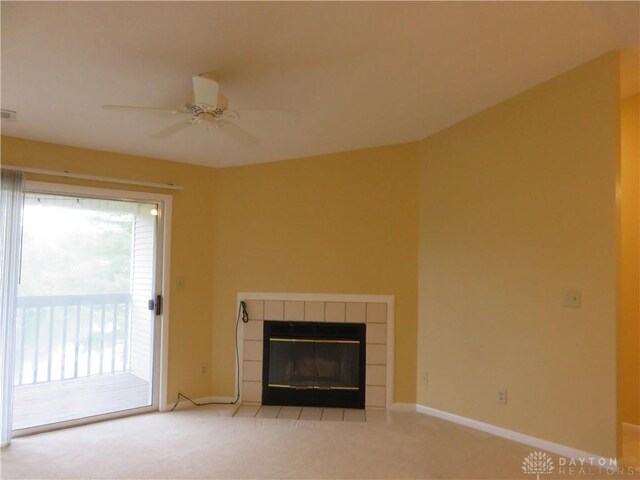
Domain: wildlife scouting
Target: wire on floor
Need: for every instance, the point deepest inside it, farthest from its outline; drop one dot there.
(244, 316)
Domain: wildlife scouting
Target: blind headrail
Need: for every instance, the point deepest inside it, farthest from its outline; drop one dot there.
(96, 178)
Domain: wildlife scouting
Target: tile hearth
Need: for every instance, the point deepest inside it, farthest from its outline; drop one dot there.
(310, 413)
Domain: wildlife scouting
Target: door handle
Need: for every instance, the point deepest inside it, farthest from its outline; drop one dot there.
(156, 305)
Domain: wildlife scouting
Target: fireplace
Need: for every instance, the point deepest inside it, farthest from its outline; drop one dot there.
(314, 364)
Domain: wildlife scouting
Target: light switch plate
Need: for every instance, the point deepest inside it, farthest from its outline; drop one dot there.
(571, 299)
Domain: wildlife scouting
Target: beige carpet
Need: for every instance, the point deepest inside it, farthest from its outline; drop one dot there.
(207, 442)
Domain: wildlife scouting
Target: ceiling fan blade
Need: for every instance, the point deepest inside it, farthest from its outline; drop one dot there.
(266, 111)
(238, 134)
(144, 109)
(172, 130)
(205, 91)
(263, 115)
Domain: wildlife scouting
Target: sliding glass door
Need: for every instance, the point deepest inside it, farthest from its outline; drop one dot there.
(87, 323)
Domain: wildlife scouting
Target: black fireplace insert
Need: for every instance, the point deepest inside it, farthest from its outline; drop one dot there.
(314, 364)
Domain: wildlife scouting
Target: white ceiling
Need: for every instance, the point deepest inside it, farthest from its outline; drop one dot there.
(356, 74)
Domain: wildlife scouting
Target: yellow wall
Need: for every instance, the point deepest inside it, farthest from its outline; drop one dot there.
(517, 204)
(191, 252)
(629, 356)
(342, 223)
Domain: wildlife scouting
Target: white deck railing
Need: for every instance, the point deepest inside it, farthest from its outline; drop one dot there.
(70, 336)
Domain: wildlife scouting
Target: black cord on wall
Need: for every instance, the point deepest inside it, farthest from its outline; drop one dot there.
(244, 316)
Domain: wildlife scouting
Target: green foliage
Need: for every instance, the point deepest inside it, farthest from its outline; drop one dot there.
(67, 252)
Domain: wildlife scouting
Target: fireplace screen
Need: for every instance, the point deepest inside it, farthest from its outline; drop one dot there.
(314, 364)
(308, 363)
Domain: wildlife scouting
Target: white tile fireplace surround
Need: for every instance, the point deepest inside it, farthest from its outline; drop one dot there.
(377, 311)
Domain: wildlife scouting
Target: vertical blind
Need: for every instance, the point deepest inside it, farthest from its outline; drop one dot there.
(11, 200)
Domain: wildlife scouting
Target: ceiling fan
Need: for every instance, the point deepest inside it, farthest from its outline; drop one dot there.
(209, 108)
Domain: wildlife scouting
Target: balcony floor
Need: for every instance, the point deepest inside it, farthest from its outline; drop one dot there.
(45, 403)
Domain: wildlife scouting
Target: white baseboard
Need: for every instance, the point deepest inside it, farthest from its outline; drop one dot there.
(535, 442)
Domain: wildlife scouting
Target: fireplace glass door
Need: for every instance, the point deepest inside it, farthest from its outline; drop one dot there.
(319, 364)
(314, 364)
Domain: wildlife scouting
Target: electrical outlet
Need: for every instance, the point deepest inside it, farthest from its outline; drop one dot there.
(571, 299)
(502, 397)
(425, 378)
(203, 369)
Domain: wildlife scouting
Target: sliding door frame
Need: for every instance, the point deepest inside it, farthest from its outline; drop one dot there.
(162, 282)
